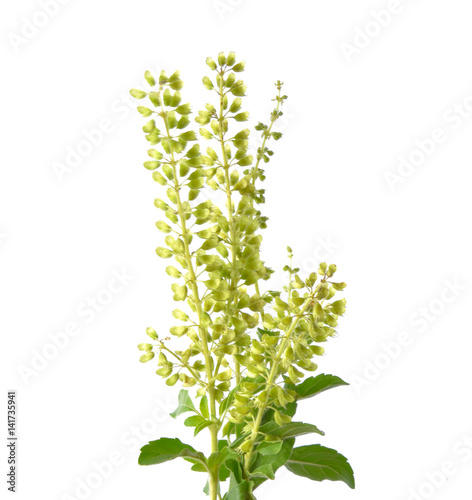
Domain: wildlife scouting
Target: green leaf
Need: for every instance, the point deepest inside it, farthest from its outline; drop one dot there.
(204, 407)
(319, 463)
(228, 460)
(276, 461)
(290, 430)
(315, 385)
(185, 404)
(269, 447)
(264, 471)
(202, 425)
(227, 402)
(193, 421)
(237, 490)
(198, 467)
(165, 449)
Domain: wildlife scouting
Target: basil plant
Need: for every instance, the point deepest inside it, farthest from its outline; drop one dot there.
(240, 352)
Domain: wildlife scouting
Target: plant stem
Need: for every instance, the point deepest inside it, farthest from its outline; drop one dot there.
(198, 305)
(229, 204)
(266, 137)
(256, 166)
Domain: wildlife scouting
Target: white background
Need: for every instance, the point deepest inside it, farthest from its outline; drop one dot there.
(347, 122)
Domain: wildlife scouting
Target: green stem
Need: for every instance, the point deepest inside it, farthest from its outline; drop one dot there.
(256, 167)
(198, 305)
(213, 482)
(185, 365)
(229, 204)
(266, 137)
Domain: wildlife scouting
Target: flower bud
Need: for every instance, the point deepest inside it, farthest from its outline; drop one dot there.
(184, 109)
(165, 253)
(149, 78)
(207, 83)
(318, 312)
(178, 314)
(211, 63)
(230, 80)
(239, 67)
(145, 347)
(246, 161)
(332, 269)
(178, 331)
(311, 279)
(215, 126)
(151, 333)
(151, 165)
(149, 127)
(183, 122)
(172, 380)
(146, 357)
(224, 386)
(239, 89)
(154, 98)
(155, 154)
(322, 269)
(172, 271)
(231, 59)
(235, 105)
(242, 117)
(206, 134)
(330, 320)
(225, 376)
(221, 59)
(176, 98)
(138, 94)
(144, 111)
(246, 446)
(281, 419)
(339, 307)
